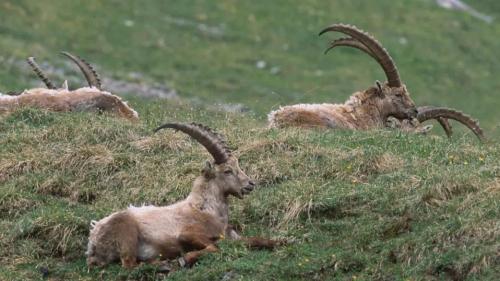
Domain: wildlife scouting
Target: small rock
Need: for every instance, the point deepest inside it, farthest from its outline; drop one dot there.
(275, 70)
(128, 23)
(261, 64)
(228, 276)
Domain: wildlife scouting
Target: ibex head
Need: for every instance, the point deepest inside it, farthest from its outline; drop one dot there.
(393, 95)
(224, 171)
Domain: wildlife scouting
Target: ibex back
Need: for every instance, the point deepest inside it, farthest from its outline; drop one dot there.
(190, 227)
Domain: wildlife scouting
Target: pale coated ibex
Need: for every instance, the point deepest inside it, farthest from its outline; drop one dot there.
(190, 227)
(368, 109)
(91, 98)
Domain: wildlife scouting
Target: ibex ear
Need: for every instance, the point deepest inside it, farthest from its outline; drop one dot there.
(379, 89)
(208, 171)
(425, 129)
(65, 85)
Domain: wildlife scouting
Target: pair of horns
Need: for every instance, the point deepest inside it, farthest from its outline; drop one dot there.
(212, 141)
(363, 41)
(88, 71)
(442, 114)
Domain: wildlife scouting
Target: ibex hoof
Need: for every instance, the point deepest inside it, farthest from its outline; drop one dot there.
(164, 267)
(182, 262)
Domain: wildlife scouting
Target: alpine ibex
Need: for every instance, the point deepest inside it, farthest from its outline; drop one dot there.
(367, 109)
(91, 98)
(190, 227)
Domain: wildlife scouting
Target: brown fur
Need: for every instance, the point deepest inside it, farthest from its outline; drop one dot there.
(362, 111)
(116, 241)
(190, 227)
(63, 100)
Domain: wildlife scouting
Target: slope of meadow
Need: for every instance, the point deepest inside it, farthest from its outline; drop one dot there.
(377, 205)
(372, 205)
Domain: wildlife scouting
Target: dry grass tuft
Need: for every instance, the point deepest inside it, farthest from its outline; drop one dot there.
(55, 185)
(161, 142)
(13, 168)
(264, 168)
(294, 208)
(378, 164)
(13, 203)
(267, 146)
(447, 190)
(86, 157)
(387, 163)
(398, 226)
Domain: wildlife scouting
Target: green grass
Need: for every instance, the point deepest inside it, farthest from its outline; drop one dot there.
(209, 49)
(360, 205)
(363, 205)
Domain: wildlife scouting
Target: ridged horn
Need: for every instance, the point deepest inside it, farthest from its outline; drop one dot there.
(429, 112)
(36, 68)
(381, 54)
(213, 142)
(446, 126)
(353, 43)
(88, 71)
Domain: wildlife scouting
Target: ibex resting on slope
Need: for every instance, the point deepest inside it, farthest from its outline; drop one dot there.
(91, 98)
(364, 110)
(190, 227)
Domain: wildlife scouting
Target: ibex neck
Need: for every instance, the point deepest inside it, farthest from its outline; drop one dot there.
(207, 197)
(367, 115)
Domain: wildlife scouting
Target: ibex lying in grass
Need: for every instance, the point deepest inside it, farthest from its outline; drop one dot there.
(91, 98)
(363, 110)
(190, 227)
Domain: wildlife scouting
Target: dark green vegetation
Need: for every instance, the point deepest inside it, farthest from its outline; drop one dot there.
(364, 206)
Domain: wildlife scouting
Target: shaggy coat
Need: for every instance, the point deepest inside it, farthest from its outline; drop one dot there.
(188, 228)
(362, 111)
(63, 100)
(91, 98)
(389, 105)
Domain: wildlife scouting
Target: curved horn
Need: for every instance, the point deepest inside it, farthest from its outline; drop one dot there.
(36, 68)
(350, 42)
(212, 141)
(87, 70)
(384, 59)
(446, 126)
(429, 112)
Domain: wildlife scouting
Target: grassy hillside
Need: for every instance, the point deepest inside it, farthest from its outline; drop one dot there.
(365, 206)
(359, 205)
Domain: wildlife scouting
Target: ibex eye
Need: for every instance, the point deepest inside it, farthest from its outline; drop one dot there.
(228, 172)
